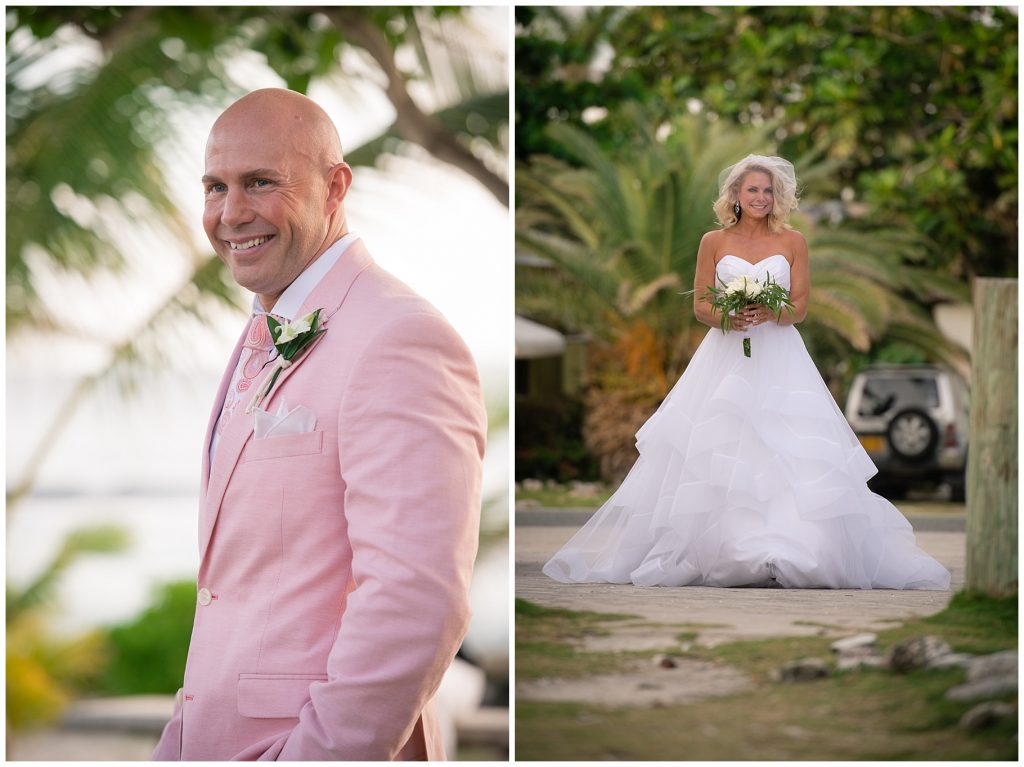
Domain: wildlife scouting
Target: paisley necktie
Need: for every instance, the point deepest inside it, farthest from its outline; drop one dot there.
(256, 350)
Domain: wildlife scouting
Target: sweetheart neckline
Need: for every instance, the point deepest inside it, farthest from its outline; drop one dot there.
(751, 263)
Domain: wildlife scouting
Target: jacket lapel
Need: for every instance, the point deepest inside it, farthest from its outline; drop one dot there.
(218, 405)
(329, 295)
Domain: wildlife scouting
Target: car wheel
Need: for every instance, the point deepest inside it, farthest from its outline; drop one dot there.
(913, 435)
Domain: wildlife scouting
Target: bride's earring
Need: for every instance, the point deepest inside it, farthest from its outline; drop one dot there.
(736, 208)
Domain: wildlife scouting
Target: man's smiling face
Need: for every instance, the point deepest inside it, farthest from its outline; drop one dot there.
(266, 211)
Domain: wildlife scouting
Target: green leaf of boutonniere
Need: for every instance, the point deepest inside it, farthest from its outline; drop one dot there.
(290, 338)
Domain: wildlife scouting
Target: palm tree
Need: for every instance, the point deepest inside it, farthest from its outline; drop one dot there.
(623, 227)
(89, 147)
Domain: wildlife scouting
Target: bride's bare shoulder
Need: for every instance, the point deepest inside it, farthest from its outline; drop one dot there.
(794, 238)
(710, 243)
(713, 237)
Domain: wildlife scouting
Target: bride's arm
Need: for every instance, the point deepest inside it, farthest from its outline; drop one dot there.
(799, 282)
(704, 278)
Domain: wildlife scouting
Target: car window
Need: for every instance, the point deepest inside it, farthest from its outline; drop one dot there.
(886, 396)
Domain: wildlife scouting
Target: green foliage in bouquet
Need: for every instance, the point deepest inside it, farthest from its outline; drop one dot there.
(744, 291)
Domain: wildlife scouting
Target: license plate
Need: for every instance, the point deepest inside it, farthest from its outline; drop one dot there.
(874, 443)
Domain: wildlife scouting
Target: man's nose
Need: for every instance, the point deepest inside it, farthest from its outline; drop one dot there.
(236, 210)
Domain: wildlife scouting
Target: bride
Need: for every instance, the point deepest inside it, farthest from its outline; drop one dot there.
(749, 475)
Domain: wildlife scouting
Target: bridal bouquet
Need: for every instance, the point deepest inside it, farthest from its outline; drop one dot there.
(743, 291)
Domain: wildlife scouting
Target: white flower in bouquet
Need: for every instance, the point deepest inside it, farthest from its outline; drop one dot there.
(743, 285)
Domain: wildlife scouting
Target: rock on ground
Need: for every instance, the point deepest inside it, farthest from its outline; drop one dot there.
(802, 670)
(986, 714)
(918, 652)
(997, 664)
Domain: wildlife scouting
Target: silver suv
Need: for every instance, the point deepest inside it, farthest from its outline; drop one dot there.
(913, 422)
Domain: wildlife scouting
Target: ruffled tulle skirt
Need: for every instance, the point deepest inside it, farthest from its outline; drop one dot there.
(749, 475)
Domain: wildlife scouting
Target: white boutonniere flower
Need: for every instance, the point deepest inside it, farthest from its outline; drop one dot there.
(291, 338)
(290, 330)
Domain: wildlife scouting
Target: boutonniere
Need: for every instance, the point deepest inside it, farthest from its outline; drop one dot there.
(290, 339)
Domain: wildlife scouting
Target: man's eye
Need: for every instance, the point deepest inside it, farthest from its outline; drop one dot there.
(261, 182)
(215, 188)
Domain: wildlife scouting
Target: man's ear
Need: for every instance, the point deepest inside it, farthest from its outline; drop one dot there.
(339, 179)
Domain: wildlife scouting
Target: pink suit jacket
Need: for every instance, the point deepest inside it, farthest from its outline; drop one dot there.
(338, 562)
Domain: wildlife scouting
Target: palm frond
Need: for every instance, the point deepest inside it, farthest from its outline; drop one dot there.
(840, 316)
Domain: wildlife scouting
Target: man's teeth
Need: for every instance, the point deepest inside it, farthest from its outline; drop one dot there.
(249, 244)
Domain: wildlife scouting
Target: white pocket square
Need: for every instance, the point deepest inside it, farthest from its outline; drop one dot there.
(300, 420)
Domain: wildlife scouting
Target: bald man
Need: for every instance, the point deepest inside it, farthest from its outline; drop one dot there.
(340, 500)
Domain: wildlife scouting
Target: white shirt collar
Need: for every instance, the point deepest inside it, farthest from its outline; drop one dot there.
(290, 302)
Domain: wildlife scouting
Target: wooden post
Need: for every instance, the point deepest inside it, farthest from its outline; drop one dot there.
(992, 451)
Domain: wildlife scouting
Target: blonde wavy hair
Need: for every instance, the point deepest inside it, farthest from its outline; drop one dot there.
(784, 191)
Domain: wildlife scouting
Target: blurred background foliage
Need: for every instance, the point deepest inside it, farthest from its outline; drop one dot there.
(94, 97)
(918, 104)
(902, 124)
(44, 672)
(147, 653)
(87, 148)
(87, 140)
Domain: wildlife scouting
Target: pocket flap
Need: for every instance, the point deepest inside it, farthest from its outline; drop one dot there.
(274, 696)
(309, 443)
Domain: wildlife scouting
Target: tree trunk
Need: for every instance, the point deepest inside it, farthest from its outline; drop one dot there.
(992, 457)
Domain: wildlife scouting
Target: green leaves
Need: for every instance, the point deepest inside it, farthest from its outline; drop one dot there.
(299, 340)
(620, 229)
(917, 105)
(290, 338)
(730, 299)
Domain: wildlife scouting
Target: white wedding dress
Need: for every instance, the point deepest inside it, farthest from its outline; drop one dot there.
(749, 475)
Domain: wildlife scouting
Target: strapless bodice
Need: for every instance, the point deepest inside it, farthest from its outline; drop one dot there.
(731, 267)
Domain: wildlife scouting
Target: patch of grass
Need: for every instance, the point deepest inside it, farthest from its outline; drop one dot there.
(551, 660)
(758, 658)
(562, 497)
(536, 621)
(686, 636)
(819, 624)
(971, 622)
(871, 714)
(848, 717)
(976, 617)
(546, 639)
(695, 625)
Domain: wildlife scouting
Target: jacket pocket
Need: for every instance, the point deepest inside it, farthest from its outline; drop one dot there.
(274, 696)
(310, 443)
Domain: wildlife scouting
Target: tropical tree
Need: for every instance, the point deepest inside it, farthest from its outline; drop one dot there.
(918, 103)
(623, 227)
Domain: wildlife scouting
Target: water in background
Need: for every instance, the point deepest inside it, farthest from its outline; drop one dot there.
(135, 462)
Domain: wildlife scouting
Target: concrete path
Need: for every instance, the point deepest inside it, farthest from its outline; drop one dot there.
(737, 613)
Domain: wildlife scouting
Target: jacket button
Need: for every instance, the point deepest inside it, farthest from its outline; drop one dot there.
(204, 596)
